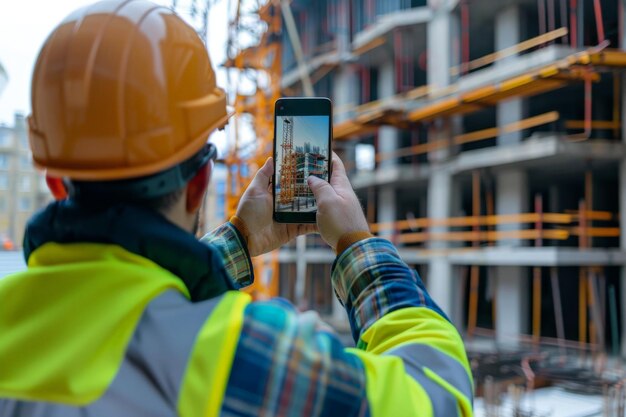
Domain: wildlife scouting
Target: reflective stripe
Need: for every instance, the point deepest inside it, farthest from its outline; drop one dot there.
(206, 376)
(148, 381)
(418, 356)
(448, 387)
(438, 362)
(66, 322)
(390, 390)
(444, 404)
(415, 324)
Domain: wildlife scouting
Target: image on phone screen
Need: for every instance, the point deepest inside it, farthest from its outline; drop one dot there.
(301, 150)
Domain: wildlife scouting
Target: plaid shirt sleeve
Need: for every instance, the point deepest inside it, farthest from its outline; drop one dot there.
(231, 244)
(291, 364)
(371, 280)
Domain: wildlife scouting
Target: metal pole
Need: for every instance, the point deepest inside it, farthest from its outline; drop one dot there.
(536, 305)
(294, 38)
(614, 325)
(582, 309)
(541, 11)
(551, 16)
(588, 205)
(558, 308)
(573, 23)
(563, 21)
(581, 23)
(475, 270)
(599, 21)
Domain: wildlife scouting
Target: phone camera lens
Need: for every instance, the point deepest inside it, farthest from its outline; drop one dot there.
(282, 107)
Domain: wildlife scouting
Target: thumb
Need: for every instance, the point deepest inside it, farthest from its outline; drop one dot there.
(263, 176)
(319, 187)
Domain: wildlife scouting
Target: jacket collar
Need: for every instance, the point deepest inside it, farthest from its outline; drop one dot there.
(138, 230)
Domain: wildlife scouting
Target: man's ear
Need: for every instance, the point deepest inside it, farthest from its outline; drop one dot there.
(197, 186)
(56, 187)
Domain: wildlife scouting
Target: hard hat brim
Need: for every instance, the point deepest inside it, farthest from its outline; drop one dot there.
(136, 171)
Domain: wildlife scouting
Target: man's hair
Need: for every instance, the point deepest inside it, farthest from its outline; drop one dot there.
(159, 191)
(89, 194)
(162, 203)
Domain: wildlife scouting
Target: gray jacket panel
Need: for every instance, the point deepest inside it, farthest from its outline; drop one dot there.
(149, 379)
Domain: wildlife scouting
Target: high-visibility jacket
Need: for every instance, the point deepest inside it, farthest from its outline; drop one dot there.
(92, 329)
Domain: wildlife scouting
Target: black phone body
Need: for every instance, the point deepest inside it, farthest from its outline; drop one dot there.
(302, 147)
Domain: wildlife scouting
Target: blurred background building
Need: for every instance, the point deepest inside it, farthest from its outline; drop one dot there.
(4, 78)
(22, 192)
(215, 201)
(22, 188)
(485, 139)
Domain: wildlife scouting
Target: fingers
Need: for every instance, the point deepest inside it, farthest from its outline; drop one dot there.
(338, 175)
(338, 165)
(320, 188)
(307, 229)
(264, 175)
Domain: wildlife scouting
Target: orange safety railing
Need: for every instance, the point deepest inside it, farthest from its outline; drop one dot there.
(532, 226)
(475, 136)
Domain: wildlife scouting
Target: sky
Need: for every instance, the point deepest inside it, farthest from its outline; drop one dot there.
(26, 24)
(312, 129)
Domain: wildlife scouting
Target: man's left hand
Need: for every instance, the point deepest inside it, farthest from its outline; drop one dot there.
(255, 210)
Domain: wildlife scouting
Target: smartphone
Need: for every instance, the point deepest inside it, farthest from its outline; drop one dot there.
(302, 147)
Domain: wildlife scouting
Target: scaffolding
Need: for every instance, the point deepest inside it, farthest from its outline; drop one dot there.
(254, 66)
(579, 321)
(427, 110)
(288, 164)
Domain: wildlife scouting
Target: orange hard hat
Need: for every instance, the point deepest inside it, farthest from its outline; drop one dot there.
(122, 89)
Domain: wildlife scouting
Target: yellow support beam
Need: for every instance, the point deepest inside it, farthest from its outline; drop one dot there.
(510, 51)
(483, 236)
(551, 77)
(373, 44)
(467, 221)
(595, 124)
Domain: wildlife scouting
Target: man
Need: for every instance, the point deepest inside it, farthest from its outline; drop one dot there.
(123, 313)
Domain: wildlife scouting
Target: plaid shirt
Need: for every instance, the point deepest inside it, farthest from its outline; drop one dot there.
(234, 250)
(289, 363)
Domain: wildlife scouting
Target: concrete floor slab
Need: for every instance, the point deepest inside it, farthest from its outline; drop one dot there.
(385, 24)
(550, 151)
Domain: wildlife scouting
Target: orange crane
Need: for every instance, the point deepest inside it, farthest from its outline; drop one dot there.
(256, 68)
(288, 164)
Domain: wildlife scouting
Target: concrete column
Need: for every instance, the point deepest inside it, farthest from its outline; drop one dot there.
(387, 142)
(508, 33)
(387, 212)
(439, 35)
(345, 92)
(511, 303)
(301, 266)
(441, 282)
(511, 293)
(511, 198)
(345, 98)
(387, 135)
(441, 29)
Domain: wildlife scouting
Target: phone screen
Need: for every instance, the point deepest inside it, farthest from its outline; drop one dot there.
(302, 149)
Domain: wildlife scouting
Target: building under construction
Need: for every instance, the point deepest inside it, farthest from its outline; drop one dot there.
(485, 139)
(295, 165)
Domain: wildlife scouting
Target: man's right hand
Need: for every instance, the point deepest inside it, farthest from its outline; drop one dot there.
(338, 208)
